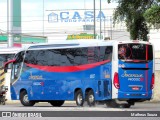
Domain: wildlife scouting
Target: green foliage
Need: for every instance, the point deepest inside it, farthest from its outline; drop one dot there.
(132, 12)
(152, 16)
(109, 1)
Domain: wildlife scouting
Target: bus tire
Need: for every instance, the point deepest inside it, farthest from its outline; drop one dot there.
(79, 98)
(57, 103)
(90, 98)
(24, 99)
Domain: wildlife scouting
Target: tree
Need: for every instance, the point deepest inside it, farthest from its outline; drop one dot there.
(152, 15)
(132, 12)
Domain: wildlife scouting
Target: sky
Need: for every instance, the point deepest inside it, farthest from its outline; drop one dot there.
(33, 10)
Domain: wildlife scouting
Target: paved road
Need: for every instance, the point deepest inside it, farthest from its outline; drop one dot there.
(71, 106)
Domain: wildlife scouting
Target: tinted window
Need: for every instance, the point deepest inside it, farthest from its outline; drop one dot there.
(19, 57)
(69, 56)
(135, 52)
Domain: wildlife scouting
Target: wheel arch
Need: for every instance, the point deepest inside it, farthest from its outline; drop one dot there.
(21, 90)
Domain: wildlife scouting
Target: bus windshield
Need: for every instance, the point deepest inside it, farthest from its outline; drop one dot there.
(132, 51)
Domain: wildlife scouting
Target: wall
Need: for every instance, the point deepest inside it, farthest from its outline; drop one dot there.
(156, 95)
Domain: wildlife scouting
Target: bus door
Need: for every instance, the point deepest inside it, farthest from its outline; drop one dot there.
(106, 71)
(135, 69)
(106, 75)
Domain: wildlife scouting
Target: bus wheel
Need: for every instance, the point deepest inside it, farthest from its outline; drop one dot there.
(79, 98)
(90, 98)
(57, 103)
(24, 99)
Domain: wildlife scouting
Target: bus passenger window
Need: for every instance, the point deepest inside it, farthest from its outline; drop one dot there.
(41, 59)
(108, 53)
(77, 60)
(56, 59)
(65, 61)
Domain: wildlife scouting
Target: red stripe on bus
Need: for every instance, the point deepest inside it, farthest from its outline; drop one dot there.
(146, 71)
(146, 52)
(67, 68)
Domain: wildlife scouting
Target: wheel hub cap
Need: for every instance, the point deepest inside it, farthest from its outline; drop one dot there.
(25, 99)
(91, 98)
(79, 99)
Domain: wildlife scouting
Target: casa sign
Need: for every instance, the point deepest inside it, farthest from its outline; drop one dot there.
(76, 16)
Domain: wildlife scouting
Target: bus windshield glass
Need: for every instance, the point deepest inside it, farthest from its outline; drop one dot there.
(132, 51)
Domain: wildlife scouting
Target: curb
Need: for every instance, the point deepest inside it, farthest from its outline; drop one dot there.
(12, 101)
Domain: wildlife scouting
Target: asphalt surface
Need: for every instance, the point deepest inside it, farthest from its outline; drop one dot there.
(71, 106)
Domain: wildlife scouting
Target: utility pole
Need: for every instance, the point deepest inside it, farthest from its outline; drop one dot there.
(94, 9)
(43, 18)
(9, 23)
(100, 18)
(111, 26)
(14, 22)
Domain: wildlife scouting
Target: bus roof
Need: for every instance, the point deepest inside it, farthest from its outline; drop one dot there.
(69, 43)
(66, 43)
(80, 43)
